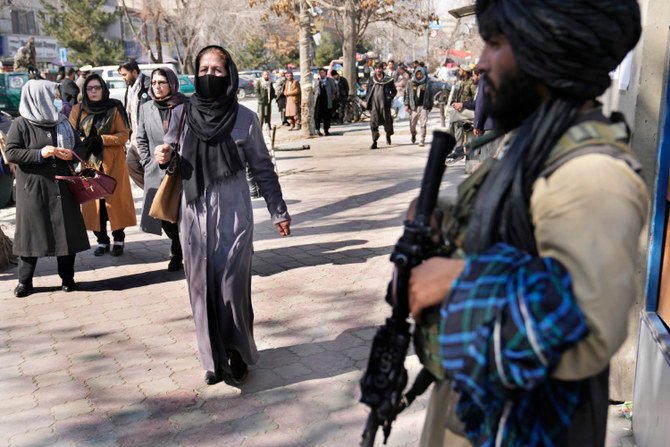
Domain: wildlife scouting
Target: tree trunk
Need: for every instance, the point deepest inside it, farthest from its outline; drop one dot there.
(349, 46)
(159, 44)
(6, 256)
(306, 81)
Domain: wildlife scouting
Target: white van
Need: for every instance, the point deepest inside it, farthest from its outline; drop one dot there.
(112, 71)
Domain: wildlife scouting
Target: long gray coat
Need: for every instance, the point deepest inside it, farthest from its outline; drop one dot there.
(149, 135)
(48, 218)
(216, 233)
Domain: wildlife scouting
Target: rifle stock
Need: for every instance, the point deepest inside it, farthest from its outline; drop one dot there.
(385, 379)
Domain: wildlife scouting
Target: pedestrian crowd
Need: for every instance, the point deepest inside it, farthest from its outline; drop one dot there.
(210, 137)
(533, 250)
(390, 93)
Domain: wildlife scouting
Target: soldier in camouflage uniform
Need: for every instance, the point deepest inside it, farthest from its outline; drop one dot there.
(457, 114)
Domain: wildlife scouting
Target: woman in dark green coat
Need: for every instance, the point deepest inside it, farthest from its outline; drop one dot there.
(48, 218)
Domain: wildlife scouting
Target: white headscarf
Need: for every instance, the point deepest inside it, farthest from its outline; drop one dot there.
(37, 106)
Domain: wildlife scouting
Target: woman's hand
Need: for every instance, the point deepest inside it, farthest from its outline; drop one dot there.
(430, 282)
(62, 153)
(284, 228)
(163, 154)
(48, 151)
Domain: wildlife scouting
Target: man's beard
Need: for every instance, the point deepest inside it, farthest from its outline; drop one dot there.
(513, 101)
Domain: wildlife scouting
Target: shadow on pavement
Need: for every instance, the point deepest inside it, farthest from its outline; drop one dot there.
(131, 281)
(223, 415)
(272, 261)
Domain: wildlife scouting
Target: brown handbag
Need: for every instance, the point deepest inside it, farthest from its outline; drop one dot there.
(167, 200)
(89, 183)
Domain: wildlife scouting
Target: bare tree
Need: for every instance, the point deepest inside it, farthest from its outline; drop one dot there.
(298, 11)
(153, 18)
(184, 31)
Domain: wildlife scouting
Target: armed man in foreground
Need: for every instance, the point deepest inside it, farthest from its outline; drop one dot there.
(544, 236)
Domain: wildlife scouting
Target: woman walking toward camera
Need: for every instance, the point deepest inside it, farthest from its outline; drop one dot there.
(216, 219)
(153, 122)
(103, 124)
(48, 219)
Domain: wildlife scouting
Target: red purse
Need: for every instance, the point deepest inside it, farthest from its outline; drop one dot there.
(89, 183)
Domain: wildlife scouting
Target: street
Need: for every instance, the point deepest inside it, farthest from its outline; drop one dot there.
(114, 363)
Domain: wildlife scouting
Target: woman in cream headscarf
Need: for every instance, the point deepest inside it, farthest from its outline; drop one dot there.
(48, 218)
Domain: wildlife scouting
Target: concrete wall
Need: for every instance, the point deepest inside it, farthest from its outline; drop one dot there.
(641, 104)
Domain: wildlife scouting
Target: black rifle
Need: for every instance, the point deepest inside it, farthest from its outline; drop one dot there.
(385, 379)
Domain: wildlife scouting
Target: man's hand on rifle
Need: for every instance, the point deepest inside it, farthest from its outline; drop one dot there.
(431, 281)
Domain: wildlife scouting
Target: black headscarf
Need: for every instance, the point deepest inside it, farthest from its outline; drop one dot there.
(105, 105)
(569, 46)
(209, 153)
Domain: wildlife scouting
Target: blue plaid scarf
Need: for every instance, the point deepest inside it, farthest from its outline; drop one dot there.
(508, 319)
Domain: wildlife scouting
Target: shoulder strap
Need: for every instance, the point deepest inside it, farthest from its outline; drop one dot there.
(180, 128)
(591, 137)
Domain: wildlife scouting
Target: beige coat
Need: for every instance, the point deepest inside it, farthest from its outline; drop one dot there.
(120, 205)
(292, 93)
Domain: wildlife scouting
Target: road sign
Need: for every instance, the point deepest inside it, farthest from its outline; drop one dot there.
(62, 52)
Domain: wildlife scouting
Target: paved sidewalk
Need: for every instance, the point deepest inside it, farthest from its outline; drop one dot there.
(114, 363)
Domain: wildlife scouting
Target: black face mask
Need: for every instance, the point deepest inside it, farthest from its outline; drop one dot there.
(210, 86)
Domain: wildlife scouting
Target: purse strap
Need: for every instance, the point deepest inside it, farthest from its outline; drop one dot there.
(172, 166)
(180, 128)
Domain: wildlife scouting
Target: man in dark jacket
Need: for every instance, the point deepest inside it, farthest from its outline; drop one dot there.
(137, 93)
(418, 102)
(68, 88)
(325, 92)
(379, 98)
(342, 94)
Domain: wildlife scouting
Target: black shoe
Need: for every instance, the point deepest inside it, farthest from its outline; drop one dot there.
(212, 378)
(388, 139)
(23, 290)
(413, 138)
(456, 153)
(374, 145)
(175, 264)
(101, 249)
(117, 250)
(326, 133)
(68, 285)
(239, 369)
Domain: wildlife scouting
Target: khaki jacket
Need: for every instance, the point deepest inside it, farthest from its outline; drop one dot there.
(120, 205)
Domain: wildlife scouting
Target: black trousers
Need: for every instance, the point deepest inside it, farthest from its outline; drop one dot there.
(322, 113)
(589, 423)
(172, 231)
(102, 236)
(27, 266)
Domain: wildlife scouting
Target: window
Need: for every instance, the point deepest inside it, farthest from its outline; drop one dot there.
(23, 22)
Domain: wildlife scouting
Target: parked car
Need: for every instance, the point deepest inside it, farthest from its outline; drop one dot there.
(185, 85)
(117, 88)
(112, 71)
(246, 87)
(257, 74)
(10, 91)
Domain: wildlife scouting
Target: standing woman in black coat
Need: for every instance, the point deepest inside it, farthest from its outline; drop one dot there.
(48, 218)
